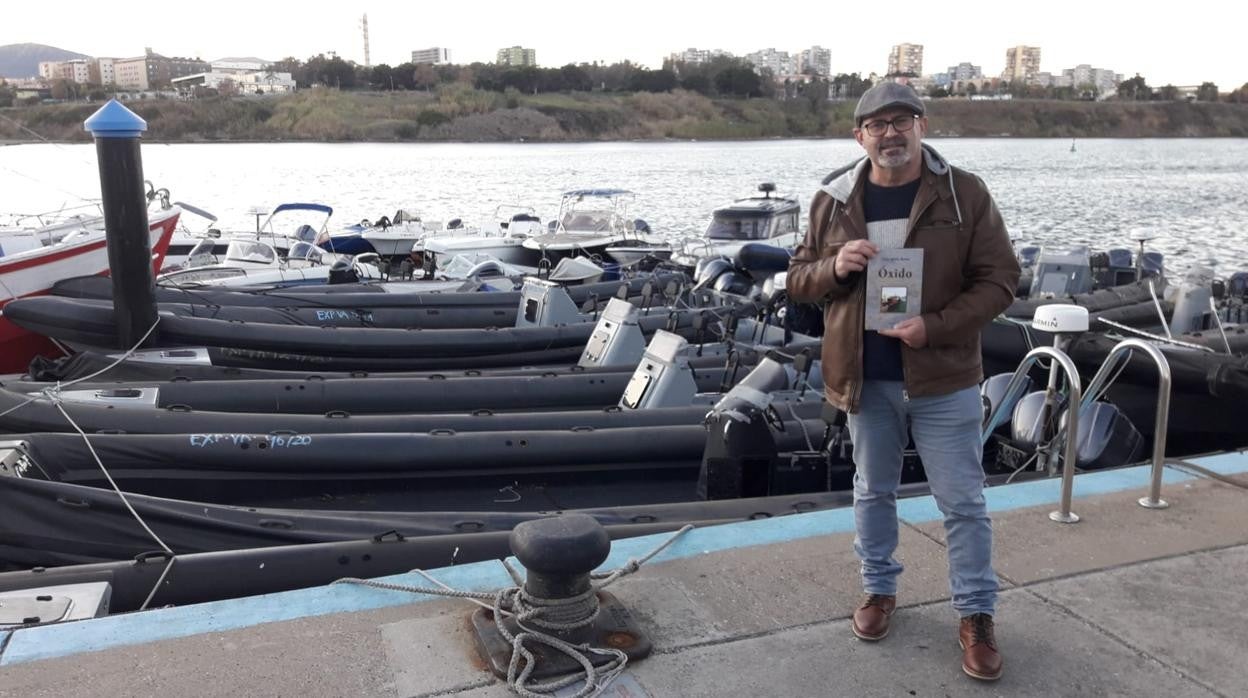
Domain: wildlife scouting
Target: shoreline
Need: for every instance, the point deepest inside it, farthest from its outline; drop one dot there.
(640, 141)
(471, 116)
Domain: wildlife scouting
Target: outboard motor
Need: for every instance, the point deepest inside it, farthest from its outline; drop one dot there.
(741, 458)
(343, 272)
(1237, 285)
(641, 226)
(1027, 256)
(992, 392)
(454, 224)
(1064, 321)
(734, 283)
(305, 232)
(1106, 437)
(708, 270)
(1114, 267)
(1152, 264)
(1191, 301)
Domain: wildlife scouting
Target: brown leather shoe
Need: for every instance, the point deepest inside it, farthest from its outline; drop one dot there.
(871, 619)
(980, 659)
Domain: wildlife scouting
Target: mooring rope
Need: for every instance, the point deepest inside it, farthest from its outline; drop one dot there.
(53, 395)
(552, 614)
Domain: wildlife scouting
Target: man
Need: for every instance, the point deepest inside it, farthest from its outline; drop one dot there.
(922, 374)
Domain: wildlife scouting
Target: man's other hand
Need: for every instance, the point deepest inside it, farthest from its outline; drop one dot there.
(912, 331)
(853, 257)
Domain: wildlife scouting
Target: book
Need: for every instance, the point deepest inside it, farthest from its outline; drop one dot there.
(894, 287)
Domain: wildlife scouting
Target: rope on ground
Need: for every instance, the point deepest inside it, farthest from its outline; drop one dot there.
(552, 614)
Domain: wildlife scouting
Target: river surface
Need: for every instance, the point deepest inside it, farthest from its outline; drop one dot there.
(1191, 193)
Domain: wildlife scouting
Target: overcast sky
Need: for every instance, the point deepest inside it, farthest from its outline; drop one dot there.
(1181, 44)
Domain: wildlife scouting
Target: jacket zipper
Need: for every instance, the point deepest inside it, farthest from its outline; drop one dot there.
(905, 372)
(860, 298)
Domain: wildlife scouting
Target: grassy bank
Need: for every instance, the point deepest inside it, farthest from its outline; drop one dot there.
(459, 113)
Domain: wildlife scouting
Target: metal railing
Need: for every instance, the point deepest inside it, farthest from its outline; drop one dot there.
(1060, 359)
(1080, 399)
(1102, 380)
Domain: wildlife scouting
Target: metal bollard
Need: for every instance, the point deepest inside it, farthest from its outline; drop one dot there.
(559, 553)
(117, 130)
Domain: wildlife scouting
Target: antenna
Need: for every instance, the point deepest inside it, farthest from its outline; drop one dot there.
(364, 26)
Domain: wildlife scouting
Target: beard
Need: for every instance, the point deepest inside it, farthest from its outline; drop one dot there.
(894, 159)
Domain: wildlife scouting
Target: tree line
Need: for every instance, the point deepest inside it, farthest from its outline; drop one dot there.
(722, 76)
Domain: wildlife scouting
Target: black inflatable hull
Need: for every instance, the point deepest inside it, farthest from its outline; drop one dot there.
(533, 392)
(351, 296)
(1095, 301)
(436, 470)
(93, 325)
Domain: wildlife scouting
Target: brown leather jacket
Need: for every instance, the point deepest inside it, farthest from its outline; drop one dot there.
(969, 276)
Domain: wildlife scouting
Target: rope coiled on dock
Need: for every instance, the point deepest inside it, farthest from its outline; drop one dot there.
(551, 614)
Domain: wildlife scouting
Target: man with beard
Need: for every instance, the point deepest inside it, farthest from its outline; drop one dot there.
(920, 379)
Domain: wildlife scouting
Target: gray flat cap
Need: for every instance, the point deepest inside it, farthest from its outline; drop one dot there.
(885, 95)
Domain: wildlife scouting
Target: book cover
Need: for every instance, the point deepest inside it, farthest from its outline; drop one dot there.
(894, 287)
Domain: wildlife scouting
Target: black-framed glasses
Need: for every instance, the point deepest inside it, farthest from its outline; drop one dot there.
(900, 124)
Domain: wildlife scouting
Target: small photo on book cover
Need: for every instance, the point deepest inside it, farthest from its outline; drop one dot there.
(893, 299)
(894, 287)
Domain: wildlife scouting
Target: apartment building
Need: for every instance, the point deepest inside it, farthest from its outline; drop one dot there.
(816, 60)
(517, 56)
(905, 59)
(431, 56)
(1022, 64)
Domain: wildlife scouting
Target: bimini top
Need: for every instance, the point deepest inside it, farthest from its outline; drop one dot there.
(598, 192)
(304, 207)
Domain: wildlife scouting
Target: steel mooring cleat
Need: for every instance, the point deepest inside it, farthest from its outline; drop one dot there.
(558, 554)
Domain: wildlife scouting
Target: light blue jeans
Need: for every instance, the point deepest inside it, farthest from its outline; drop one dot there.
(946, 430)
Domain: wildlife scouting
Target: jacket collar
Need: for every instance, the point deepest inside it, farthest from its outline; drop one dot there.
(841, 184)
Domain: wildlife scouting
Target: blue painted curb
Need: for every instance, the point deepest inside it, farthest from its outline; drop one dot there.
(61, 640)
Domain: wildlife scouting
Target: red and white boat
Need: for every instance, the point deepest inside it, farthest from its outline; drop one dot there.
(33, 259)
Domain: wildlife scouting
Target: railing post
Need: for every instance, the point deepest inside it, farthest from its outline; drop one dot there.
(1162, 420)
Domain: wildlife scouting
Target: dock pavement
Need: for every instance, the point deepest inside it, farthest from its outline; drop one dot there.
(1128, 602)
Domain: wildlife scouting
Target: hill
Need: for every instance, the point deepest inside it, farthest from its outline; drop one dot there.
(22, 60)
(467, 115)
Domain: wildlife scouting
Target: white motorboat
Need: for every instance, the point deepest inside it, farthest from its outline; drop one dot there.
(281, 234)
(57, 247)
(589, 221)
(767, 219)
(257, 262)
(502, 239)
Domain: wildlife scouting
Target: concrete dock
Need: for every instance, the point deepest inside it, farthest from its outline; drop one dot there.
(1130, 601)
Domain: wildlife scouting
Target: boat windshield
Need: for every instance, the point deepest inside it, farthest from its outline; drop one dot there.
(201, 254)
(303, 251)
(592, 221)
(250, 252)
(738, 228)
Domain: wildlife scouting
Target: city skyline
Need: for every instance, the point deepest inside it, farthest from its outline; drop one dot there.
(1182, 50)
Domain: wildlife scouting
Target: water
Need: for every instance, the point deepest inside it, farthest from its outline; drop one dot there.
(1192, 193)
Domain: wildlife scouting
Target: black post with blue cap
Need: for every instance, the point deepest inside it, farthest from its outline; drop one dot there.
(117, 131)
